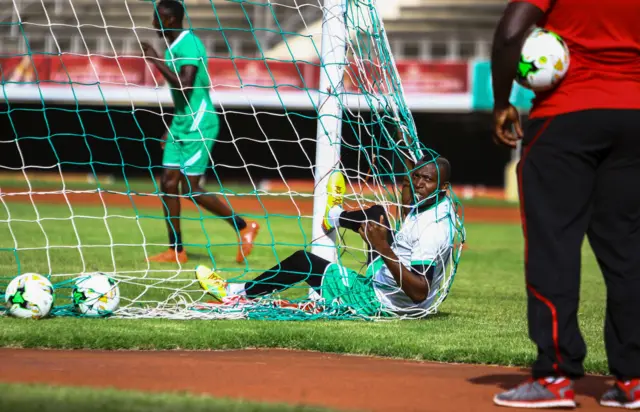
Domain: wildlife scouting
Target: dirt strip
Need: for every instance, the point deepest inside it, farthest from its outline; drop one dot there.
(294, 377)
(261, 205)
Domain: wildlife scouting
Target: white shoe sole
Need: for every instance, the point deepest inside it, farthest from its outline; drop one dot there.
(615, 404)
(555, 403)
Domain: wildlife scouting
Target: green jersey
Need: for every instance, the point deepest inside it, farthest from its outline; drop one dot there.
(194, 115)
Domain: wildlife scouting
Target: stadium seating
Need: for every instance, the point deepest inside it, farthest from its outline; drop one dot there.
(447, 28)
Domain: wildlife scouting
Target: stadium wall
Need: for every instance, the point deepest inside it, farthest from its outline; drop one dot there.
(117, 141)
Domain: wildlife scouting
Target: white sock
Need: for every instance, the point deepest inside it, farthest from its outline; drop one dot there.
(334, 216)
(313, 295)
(237, 289)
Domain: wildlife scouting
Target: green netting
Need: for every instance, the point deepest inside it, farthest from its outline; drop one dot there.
(53, 223)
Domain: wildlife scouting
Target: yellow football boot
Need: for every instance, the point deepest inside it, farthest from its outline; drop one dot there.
(211, 282)
(336, 187)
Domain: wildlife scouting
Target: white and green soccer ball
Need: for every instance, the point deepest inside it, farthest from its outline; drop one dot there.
(544, 61)
(95, 295)
(29, 295)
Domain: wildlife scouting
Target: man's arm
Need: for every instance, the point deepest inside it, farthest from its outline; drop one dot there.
(516, 21)
(184, 80)
(414, 285)
(400, 139)
(406, 193)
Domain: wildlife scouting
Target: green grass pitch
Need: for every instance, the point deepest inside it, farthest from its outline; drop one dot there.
(70, 399)
(482, 321)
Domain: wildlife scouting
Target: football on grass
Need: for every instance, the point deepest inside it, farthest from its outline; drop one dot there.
(95, 295)
(544, 61)
(29, 296)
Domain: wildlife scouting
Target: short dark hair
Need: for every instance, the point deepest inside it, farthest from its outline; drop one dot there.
(174, 7)
(445, 168)
(443, 165)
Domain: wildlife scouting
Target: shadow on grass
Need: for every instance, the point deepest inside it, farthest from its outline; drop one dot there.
(437, 316)
(591, 386)
(202, 256)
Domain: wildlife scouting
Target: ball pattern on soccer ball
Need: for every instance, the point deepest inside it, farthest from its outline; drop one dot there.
(544, 61)
(95, 295)
(29, 295)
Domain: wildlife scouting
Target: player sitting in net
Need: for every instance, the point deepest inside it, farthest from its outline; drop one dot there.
(187, 143)
(403, 280)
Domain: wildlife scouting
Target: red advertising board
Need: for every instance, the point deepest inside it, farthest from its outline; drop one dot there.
(24, 69)
(417, 77)
(253, 75)
(108, 71)
(256, 75)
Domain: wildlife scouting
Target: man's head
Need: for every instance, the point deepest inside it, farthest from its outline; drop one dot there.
(429, 178)
(168, 15)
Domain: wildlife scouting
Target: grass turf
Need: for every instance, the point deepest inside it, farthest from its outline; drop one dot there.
(79, 182)
(483, 320)
(20, 397)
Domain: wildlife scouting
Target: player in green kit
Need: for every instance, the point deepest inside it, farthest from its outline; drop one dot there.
(188, 141)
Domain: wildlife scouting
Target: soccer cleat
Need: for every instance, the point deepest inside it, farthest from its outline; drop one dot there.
(539, 393)
(336, 188)
(169, 256)
(623, 394)
(245, 243)
(211, 282)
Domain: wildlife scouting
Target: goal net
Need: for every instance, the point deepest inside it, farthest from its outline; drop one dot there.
(300, 87)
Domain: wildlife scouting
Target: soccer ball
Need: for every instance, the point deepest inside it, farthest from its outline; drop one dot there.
(544, 61)
(95, 295)
(29, 296)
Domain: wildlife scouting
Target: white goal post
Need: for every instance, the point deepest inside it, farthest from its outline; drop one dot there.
(333, 60)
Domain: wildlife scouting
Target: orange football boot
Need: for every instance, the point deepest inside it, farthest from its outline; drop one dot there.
(170, 256)
(247, 236)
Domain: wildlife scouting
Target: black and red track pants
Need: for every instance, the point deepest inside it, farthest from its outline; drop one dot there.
(580, 174)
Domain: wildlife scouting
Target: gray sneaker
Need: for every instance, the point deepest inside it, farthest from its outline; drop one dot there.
(623, 394)
(540, 393)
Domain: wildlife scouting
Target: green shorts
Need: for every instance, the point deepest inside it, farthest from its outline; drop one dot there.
(346, 288)
(189, 153)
